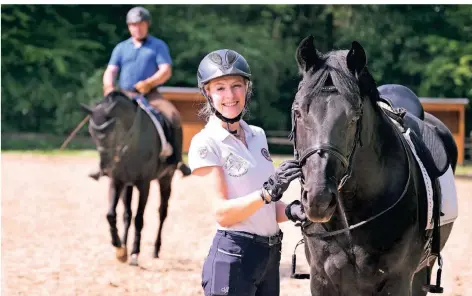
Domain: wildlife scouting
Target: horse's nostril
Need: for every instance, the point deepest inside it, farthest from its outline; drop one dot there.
(332, 203)
(304, 195)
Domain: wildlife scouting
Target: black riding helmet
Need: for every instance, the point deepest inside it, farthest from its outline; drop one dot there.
(219, 63)
(138, 14)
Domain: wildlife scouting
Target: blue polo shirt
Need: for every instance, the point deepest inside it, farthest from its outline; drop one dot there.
(139, 63)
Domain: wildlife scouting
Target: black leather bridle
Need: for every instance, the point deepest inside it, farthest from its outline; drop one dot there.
(328, 148)
(347, 163)
(121, 140)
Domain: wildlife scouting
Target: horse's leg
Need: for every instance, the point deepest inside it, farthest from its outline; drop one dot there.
(115, 188)
(395, 285)
(165, 188)
(127, 215)
(143, 187)
(419, 280)
(319, 285)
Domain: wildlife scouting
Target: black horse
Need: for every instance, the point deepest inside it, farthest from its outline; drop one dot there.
(362, 190)
(129, 147)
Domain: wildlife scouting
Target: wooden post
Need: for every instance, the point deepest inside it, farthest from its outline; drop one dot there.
(187, 100)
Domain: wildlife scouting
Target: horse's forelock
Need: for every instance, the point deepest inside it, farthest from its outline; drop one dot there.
(334, 66)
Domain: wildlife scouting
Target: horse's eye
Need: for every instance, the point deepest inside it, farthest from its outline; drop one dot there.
(297, 113)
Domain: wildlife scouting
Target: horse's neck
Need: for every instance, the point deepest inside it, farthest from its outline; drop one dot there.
(126, 112)
(136, 124)
(379, 165)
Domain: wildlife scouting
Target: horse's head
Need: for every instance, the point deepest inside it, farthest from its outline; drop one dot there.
(327, 118)
(110, 118)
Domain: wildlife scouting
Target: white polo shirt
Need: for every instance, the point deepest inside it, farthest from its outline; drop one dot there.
(245, 168)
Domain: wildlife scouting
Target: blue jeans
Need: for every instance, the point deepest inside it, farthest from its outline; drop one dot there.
(241, 266)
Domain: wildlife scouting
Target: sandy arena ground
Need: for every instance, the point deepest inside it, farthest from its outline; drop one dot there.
(55, 238)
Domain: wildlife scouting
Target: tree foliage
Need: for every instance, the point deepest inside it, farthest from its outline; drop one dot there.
(53, 56)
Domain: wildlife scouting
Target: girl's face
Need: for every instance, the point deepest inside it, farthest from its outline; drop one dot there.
(228, 94)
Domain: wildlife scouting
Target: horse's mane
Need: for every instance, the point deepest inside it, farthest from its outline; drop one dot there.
(114, 95)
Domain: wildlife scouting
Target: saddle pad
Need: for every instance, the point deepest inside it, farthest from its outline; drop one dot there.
(438, 163)
(166, 147)
(448, 191)
(449, 204)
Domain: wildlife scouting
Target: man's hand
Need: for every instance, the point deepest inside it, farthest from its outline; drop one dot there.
(143, 87)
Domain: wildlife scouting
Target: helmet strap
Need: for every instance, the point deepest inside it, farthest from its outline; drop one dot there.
(219, 115)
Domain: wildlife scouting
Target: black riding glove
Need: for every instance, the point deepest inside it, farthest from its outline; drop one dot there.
(278, 183)
(294, 211)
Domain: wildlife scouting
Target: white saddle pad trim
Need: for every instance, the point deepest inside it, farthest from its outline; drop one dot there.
(427, 180)
(449, 206)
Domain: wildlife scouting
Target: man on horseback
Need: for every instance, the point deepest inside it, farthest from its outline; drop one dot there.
(143, 63)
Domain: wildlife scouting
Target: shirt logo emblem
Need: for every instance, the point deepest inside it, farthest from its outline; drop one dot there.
(266, 154)
(225, 290)
(203, 152)
(235, 166)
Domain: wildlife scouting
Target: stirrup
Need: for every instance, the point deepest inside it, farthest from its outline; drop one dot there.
(294, 275)
(434, 289)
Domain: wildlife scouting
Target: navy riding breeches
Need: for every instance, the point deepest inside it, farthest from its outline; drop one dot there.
(242, 264)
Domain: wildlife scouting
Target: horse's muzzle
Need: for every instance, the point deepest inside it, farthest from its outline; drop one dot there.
(319, 202)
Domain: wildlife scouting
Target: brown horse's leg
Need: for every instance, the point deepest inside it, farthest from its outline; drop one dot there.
(115, 188)
(165, 187)
(143, 187)
(419, 280)
(127, 215)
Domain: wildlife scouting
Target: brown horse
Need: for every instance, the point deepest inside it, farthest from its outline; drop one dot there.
(129, 148)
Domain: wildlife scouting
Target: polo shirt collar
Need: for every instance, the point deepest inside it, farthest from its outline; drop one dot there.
(220, 133)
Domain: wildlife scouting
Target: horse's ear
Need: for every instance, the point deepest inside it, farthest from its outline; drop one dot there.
(86, 108)
(307, 55)
(356, 58)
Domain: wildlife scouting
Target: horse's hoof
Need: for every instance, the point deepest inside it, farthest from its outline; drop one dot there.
(134, 260)
(95, 175)
(156, 254)
(122, 254)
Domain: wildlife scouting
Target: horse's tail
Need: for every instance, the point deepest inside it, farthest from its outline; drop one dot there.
(184, 168)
